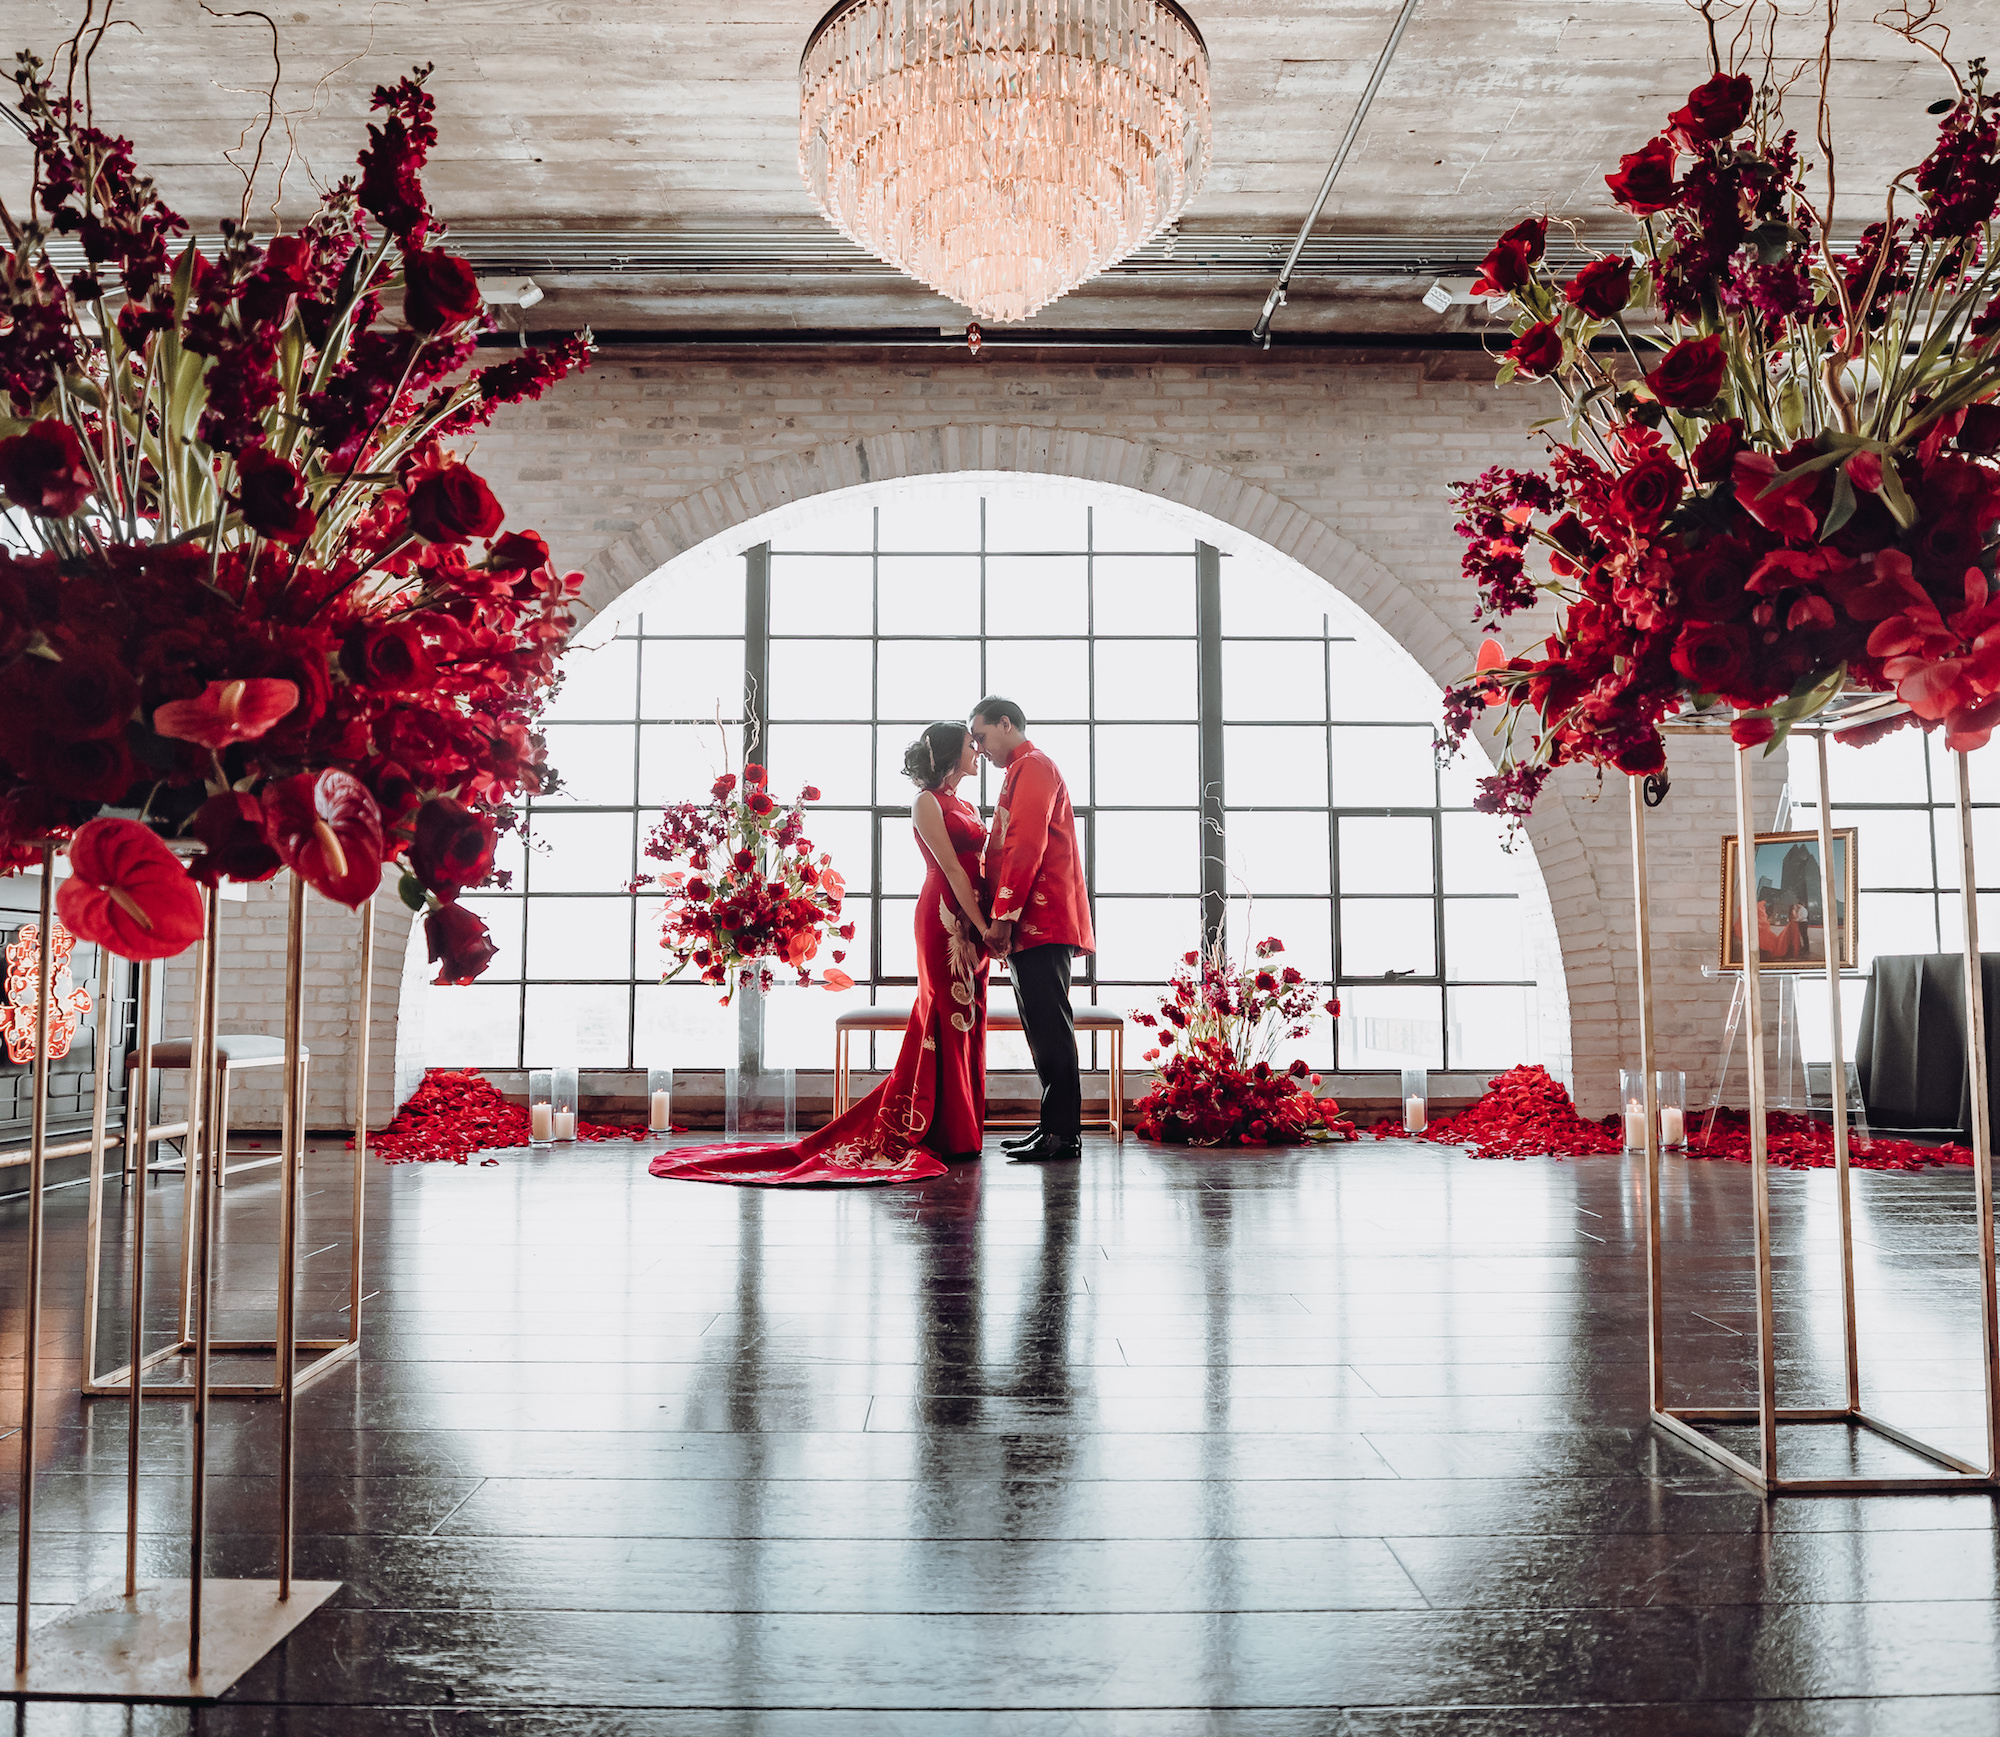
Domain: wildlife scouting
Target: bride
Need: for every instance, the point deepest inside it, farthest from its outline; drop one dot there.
(933, 1104)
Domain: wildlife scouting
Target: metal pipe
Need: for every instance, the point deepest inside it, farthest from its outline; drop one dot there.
(1980, 1120)
(1261, 332)
(1642, 918)
(288, 1221)
(361, 1120)
(1837, 1077)
(1760, 1173)
(93, 1212)
(135, 1205)
(200, 1186)
(31, 1346)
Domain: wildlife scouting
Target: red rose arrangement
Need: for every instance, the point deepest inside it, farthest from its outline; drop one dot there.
(266, 608)
(745, 895)
(1777, 479)
(1219, 1025)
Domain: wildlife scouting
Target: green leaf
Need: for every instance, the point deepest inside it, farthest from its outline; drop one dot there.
(1843, 506)
(1899, 504)
(411, 891)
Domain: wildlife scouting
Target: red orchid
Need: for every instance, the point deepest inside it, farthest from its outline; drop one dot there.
(328, 830)
(228, 712)
(127, 892)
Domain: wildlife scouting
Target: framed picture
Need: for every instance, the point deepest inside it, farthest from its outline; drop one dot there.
(1791, 926)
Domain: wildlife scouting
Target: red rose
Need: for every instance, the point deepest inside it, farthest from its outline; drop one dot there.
(88, 693)
(1713, 112)
(810, 793)
(754, 774)
(439, 291)
(723, 785)
(1538, 351)
(44, 471)
(1645, 179)
(86, 769)
(453, 847)
(459, 945)
(1980, 431)
(758, 802)
(1713, 457)
(1602, 288)
(127, 892)
(517, 552)
(231, 830)
(1645, 495)
(452, 505)
(1713, 655)
(1690, 375)
(390, 658)
(1641, 756)
(271, 497)
(1711, 584)
(1511, 263)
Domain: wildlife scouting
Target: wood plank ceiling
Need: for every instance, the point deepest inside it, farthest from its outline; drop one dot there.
(640, 156)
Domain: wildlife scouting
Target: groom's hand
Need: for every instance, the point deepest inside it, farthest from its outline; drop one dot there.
(1003, 940)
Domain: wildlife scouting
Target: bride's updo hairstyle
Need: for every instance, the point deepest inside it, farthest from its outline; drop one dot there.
(928, 761)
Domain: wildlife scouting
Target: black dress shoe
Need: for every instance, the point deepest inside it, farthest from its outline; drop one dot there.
(1019, 1140)
(1048, 1149)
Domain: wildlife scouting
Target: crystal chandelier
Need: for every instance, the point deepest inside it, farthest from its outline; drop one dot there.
(1003, 151)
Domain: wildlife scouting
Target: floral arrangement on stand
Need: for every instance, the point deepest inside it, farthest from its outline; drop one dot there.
(250, 598)
(1774, 476)
(1219, 1025)
(745, 894)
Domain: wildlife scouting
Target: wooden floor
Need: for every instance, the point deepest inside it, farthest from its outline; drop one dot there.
(1337, 1443)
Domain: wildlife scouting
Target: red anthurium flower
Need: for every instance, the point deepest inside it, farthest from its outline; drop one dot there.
(226, 712)
(836, 980)
(328, 830)
(1749, 732)
(1782, 510)
(45, 471)
(127, 891)
(1492, 655)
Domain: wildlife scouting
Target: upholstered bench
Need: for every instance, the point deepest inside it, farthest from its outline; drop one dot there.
(1001, 1015)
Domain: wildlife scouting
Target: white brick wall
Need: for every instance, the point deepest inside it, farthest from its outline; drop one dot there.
(1338, 459)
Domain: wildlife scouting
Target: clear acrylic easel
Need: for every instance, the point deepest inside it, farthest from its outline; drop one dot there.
(1790, 1081)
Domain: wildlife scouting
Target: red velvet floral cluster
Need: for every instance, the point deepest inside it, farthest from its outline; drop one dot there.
(1219, 1025)
(453, 1115)
(267, 610)
(1791, 491)
(745, 894)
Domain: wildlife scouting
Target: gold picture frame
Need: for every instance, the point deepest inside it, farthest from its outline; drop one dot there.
(1792, 937)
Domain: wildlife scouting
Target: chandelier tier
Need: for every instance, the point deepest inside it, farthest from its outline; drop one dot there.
(1003, 151)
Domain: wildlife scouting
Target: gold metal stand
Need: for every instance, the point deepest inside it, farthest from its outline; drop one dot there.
(1682, 1422)
(145, 1640)
(207, 1109)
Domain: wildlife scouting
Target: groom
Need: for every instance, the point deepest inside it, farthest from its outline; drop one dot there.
(1041, 913)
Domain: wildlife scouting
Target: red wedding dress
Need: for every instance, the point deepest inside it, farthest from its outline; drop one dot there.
(934, 1103)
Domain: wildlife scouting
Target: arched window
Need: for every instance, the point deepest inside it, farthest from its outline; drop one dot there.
(1238, 740)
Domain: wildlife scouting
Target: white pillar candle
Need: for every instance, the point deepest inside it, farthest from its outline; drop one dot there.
(1635, 1127)
(1673, 1127)
(659, 1121)
(538, 1121)
(1413, 1115)
(565, 1124)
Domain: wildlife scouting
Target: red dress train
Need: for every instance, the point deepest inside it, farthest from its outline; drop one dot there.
(934, 1102)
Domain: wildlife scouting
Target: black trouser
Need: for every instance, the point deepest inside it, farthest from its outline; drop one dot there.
(1041, 988)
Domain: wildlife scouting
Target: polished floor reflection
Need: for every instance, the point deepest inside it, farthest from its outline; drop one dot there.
(1340, 1442)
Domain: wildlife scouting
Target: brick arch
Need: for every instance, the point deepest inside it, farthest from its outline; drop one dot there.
(1575, 920)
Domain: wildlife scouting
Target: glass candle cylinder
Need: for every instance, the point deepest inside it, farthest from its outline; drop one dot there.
(562, 1104)
(1416, 1100)
(1632, 1102)
(760, 1105)
(541, 1107)
(1670, 1086)
(659, 1100)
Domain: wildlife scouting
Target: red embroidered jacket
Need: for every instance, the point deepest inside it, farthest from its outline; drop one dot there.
(1032, 866)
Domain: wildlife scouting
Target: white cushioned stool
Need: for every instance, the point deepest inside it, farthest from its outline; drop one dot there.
(234, 1053)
